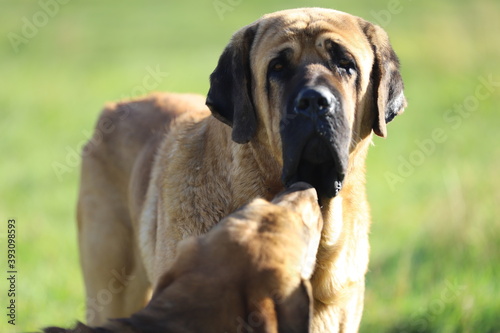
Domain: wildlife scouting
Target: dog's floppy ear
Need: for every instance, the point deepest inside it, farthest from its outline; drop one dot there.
(295, 312)
(290, 314)
(386, 78)
(230, 94)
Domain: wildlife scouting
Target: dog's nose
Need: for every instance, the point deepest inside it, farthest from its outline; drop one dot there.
(314, 101)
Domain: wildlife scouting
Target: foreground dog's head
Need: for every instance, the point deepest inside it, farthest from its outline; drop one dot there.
(310, 84)
(249, 274)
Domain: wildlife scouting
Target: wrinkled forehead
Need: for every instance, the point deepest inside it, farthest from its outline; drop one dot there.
(299, 29)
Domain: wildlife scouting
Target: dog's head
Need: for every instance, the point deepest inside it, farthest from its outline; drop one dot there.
(261, 257)
(308, 84)
(278, 243)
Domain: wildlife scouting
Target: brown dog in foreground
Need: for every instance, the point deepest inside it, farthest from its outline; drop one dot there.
(295, 96)
(250, 273)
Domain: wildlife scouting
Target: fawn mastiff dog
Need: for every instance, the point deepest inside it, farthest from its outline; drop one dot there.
(250, 273)
(295, 96)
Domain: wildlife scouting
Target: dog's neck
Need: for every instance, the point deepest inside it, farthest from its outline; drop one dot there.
(255, 171)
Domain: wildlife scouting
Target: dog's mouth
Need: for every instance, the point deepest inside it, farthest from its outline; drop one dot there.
(321, 167)
(317, 163)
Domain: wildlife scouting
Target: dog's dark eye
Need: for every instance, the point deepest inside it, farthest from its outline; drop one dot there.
(277, 65)
(280, 67)
(347, 64)
(341, 59)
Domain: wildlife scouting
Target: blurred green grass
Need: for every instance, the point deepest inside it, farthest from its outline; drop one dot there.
(436, 231)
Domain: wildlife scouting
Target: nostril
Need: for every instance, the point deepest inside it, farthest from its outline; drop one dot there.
(323, 102)
(303, 104)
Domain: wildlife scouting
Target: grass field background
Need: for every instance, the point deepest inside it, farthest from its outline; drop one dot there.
(433, 184)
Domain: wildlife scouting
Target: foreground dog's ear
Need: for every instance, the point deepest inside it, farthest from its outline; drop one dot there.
(295, 312)
(386, 78)
(289, 315)
(230, 96)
